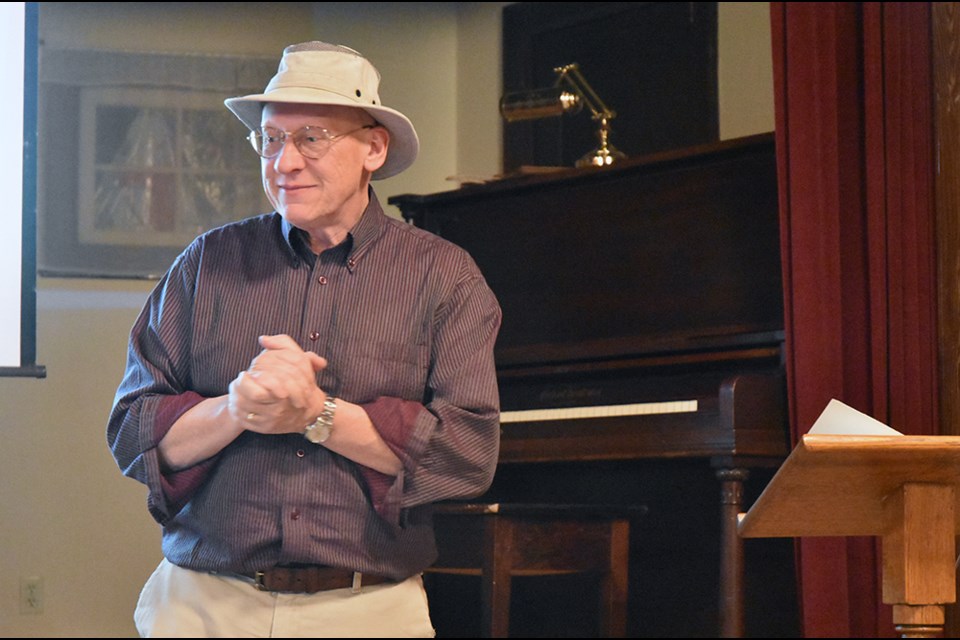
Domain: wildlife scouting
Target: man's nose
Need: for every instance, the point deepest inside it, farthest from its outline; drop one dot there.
(289, 157)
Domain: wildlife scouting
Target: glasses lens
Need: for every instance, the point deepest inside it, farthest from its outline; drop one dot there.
(312, 142)
(267, 141)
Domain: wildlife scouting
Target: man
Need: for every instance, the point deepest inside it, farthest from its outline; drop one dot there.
(302, 385)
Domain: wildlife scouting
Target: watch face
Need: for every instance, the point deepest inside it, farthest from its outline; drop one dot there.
(318, 433)
(320, 430)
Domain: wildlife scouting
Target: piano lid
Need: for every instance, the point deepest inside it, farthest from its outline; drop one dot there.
(672, 253)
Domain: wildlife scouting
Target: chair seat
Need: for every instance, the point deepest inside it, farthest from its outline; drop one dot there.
(500, 541)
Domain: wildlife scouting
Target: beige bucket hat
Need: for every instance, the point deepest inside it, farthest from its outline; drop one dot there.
(321, 73)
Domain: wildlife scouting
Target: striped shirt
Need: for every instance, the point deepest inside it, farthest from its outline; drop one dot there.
(407, 324)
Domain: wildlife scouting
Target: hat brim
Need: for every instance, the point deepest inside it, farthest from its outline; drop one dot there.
(404, 143)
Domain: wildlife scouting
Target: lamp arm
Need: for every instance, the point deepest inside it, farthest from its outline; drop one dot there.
(571, 75)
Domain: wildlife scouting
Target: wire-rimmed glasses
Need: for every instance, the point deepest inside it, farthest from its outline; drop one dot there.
(311, 142)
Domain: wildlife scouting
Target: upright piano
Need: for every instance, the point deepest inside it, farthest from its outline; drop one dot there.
(640, 361)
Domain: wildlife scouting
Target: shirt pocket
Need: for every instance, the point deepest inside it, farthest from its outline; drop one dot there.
(371, 369)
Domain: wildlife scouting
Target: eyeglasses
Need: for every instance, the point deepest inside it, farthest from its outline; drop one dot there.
(311, 142)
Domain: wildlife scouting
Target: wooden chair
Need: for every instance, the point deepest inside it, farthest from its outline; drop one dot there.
(500, 541)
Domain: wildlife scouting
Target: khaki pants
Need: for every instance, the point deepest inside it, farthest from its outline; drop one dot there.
(180, 603)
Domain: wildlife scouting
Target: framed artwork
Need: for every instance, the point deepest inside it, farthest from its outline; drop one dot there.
(138, 156)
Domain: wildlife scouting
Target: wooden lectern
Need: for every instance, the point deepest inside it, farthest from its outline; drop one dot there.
(902, 488)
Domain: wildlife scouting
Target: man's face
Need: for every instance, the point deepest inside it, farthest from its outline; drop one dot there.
(329, 191)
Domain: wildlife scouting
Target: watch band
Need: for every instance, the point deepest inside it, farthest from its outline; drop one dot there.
(319, 430)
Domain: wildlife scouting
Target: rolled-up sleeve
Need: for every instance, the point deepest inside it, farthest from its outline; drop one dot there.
(449, 444)
(154, 392)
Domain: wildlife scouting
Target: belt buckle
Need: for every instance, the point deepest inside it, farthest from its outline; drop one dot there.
(258, 581)
(357, 580)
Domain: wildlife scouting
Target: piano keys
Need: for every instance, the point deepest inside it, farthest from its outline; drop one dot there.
(642, 336)
(608, 411)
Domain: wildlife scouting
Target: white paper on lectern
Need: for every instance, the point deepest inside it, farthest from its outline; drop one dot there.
(839, 419)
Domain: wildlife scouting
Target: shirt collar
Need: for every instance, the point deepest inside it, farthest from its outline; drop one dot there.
(358, 241)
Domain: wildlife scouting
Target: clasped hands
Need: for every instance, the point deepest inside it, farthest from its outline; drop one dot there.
(278, 393)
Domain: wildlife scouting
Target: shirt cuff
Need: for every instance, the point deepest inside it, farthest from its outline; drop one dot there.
(179, 485)
(394, 419)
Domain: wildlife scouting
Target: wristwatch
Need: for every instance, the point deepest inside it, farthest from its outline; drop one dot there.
(319, 430)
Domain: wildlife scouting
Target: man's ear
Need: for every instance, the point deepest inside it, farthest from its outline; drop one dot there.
(379, 143)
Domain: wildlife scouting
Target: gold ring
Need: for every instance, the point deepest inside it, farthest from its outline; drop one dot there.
(251, 416)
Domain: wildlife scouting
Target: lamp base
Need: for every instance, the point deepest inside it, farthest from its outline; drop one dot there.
(601, 157)
(606, 154)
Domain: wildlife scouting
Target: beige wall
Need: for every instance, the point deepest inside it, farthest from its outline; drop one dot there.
(744, 69)
(66, 513)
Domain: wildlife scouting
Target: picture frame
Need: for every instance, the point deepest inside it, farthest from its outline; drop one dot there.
(139, 156)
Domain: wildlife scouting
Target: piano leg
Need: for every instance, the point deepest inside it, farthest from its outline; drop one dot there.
(731, 552)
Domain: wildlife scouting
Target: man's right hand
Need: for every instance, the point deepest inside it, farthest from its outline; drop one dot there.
(278, 393)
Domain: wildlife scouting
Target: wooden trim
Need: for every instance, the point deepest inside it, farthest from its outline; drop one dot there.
(946, 108)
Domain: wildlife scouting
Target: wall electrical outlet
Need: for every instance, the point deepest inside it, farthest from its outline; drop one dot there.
(31, 594)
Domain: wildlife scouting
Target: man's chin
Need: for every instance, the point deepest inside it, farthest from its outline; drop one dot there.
(295, 214)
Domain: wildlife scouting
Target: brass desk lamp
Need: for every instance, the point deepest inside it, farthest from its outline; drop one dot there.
(558, 100)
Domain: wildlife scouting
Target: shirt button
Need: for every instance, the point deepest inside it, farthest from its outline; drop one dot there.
(351, 263)
(301, 453)
(322, 279)
(295, 514)
(314, 335)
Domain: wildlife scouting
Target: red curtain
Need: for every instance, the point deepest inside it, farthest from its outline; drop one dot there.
(854, 129)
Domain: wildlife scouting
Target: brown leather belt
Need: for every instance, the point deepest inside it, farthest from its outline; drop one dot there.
(311, 579)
